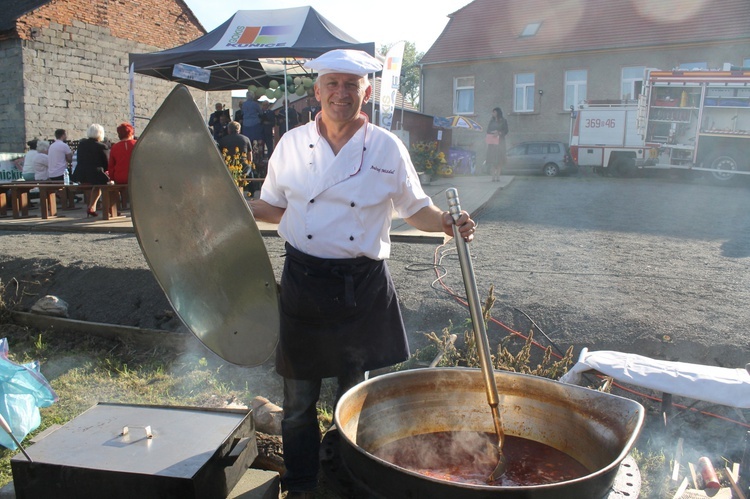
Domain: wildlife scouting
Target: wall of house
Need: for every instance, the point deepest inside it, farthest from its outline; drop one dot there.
(494, 86)
(73, 55)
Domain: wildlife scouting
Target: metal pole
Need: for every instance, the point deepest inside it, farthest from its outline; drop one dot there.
(286, 100)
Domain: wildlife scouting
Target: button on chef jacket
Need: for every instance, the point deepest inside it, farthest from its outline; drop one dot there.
(341, 205)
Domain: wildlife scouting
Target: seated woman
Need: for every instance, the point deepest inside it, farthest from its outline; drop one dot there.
(41, 161)
(92, 164)
(119, 155)
(28, 161)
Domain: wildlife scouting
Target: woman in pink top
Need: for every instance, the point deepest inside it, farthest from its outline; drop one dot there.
(119, 155)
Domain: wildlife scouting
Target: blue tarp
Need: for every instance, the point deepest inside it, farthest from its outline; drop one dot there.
(23, 390)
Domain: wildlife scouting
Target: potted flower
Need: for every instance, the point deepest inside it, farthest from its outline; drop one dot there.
(443, 168)
(426, 159)
(236, 166)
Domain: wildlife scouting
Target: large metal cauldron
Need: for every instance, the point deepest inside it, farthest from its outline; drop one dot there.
(597, 429)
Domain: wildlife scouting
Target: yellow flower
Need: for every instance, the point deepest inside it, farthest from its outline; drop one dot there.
(235, 165)
(425, 155)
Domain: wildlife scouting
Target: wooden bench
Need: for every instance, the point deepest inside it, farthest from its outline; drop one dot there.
(19, 197)
(67, 196)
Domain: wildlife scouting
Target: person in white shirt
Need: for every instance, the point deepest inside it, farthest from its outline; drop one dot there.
(60, 155)
(41, 161)
(332, 186)
(28, 161)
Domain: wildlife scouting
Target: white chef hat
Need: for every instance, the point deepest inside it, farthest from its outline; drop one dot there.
(356, 62)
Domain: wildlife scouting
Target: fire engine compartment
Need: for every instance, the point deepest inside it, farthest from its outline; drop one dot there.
(698, 118)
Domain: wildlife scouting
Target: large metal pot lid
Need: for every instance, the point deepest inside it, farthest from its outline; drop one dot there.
(199, 236)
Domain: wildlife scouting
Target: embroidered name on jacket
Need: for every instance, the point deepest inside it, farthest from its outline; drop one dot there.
(381, 170)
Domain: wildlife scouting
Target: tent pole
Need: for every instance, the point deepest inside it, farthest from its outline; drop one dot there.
(372, 118)
(286, 100)
(131, 94)
(403, 105)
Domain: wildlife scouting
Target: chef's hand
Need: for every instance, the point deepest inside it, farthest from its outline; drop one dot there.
(466, 226)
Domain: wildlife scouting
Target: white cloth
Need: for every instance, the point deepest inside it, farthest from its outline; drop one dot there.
(720, 385)
(41, 167)
(341, 205)
(28, 161)
(57, 160)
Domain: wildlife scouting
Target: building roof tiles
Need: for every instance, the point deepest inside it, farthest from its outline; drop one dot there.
(491, 29)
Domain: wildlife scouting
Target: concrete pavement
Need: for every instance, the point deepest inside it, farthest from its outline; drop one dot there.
(473, 191)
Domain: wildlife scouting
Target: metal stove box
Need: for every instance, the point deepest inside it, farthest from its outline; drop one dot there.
(121, 451)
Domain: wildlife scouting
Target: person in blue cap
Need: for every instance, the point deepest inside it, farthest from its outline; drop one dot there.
(332, 186)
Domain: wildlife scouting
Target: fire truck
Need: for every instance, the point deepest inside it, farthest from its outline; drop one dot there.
(697, 120)
(604, 135)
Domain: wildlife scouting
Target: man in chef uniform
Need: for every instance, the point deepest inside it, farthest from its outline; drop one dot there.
(331, 186)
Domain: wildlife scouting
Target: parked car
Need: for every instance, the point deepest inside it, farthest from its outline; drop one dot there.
(547, 158)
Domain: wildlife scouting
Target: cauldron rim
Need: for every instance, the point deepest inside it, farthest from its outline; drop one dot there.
(610, 469)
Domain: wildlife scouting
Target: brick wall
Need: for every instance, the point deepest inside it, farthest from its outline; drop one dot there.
(160, 23)
(72, 60)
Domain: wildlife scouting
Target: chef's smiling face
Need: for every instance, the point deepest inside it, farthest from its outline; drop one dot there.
(342, 95)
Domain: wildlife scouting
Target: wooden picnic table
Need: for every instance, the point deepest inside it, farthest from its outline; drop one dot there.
(114, 198)
(19, 196)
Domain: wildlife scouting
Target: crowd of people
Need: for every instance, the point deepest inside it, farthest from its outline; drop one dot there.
(92, 160)
(262, 125)
(254, 131)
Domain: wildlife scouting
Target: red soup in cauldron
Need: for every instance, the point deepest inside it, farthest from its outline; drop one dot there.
(469, 457)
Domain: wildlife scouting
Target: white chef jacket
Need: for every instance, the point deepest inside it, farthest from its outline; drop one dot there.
(341, 205)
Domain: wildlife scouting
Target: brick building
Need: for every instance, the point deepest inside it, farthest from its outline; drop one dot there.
(64, 64)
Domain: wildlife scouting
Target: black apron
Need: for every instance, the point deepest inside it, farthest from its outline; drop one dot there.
(337, 316)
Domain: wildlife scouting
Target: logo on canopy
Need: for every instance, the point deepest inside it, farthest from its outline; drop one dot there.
(262, 36)
(263, 29)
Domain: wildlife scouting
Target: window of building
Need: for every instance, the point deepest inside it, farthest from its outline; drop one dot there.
(463, 95)
(575, 88)
(531, 29)
(694, 65)
(632, 82)
(523, 100)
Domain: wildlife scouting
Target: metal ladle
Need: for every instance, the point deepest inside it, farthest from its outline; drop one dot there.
(480, 332)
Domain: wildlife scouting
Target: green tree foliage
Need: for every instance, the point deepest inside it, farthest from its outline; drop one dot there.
(409, 87)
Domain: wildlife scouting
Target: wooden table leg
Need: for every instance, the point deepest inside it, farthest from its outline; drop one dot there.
(67, 198)
(124, 199)
(20, 201)
(48, 202)
(109, 203)
(3, 203)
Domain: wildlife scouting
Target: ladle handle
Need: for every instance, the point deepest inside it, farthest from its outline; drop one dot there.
(477, 317)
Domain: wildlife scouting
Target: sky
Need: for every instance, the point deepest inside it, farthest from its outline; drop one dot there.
(412, 21)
